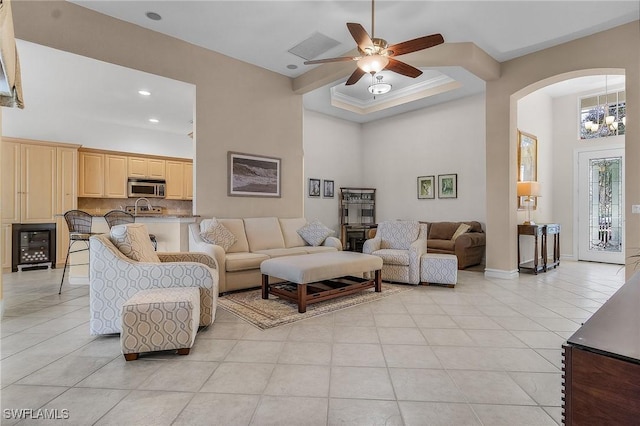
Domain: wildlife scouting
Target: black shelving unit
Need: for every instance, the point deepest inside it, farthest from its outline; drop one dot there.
(357, 216)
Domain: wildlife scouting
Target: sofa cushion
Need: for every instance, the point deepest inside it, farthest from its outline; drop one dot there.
(398, 234)
(133, 241)
(282, 252)
(218, 234)
(290, 231)
(315, 233)
(263, 233)
(393, 256)
(243, 261)
(447, 245)
(462, 228)
(442, 230)
(236, 226)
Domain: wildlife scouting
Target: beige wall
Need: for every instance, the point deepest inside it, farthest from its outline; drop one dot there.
(239, 107)
(616, 48)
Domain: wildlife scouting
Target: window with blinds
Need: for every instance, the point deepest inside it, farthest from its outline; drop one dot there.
(602, 115)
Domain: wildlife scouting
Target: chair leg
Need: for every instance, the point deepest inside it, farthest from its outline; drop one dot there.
(66, 261)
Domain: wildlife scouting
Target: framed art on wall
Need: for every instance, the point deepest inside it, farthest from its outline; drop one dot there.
(253, 175)
(448, 186)
(314, 187)
(426, 187)
(327, 188)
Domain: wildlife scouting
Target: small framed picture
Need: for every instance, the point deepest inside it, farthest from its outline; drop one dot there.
(448, 186)
(327, 188)
(314, 187)
(426, 187)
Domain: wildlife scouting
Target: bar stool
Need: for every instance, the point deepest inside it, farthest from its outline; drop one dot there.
(79, 224)
(120, 217)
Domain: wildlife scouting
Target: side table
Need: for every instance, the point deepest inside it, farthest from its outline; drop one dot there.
(540, 250)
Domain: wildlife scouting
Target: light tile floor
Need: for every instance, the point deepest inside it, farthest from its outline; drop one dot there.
(487, 352)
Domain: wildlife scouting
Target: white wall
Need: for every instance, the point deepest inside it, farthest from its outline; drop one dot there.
(448, 138)
(332, 150)
(535, 116)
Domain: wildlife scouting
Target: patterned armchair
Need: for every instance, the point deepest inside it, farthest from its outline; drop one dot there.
(114, 278)
(400, 244)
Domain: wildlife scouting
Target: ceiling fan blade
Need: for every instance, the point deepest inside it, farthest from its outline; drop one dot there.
(416, 44)
(324, 61)
(360, 36)
(355, 77)
(402, 68)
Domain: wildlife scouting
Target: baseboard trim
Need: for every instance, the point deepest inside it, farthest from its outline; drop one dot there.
(501, 274)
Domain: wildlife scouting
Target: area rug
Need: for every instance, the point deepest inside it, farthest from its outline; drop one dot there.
(273, 312)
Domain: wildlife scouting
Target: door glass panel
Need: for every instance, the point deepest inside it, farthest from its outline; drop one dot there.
(605, 209)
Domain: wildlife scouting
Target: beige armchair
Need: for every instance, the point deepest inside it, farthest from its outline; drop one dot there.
(400, 244)
(114, 278)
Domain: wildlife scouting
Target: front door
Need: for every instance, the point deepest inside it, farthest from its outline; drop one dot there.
(601, 206)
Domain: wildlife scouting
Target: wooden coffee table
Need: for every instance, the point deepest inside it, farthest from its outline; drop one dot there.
(316, 277)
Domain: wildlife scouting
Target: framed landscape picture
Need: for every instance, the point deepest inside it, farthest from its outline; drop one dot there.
(448, 186)
(327, 188)
(253, 175)
(314, 187)
(426, 187)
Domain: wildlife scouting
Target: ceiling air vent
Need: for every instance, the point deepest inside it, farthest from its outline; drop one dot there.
(314, 46)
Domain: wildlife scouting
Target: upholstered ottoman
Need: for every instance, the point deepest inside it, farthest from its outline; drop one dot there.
(436, 268)
(159, 320)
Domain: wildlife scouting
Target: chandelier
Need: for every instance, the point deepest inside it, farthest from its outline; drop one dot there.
(609, 121)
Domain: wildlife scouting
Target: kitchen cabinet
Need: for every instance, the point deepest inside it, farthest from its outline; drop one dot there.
(179, 180)
(38, 183)
(115, 176)
(147, 168)
(6, 246)
(67, 197)
(10, 182)
(188, 181)
(91, 174)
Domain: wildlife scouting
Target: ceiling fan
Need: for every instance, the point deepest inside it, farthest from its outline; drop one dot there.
(377, 55)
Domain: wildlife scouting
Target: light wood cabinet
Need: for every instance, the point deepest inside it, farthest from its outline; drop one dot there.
(6, 246)
(175, 180)
(67, 197)
(188, 181)
(10, 182)
(147, 168)
(115, 176)
(91, 174)
(38, 165)
(179, 180)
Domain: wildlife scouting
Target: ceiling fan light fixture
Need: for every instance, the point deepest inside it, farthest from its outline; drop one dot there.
(379, 87)
(373, 63)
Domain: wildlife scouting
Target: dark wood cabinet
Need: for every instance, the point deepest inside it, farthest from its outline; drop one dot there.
(601, 363)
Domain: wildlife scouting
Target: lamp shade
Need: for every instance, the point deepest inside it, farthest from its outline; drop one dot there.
(528, 188)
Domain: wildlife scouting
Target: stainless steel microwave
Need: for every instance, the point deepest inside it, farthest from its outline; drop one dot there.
(149, 188)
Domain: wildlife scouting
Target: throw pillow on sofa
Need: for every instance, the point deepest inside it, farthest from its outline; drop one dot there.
(461, 230)
(133, 241)
(315, 233)
(218, 234)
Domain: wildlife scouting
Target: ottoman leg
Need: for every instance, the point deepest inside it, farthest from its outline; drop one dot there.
(184, 351)
(265, 286)
(302, 298)
(378, 279)
(130, 357)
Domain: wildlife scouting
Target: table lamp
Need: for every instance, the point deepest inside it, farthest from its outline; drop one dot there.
(530, 190)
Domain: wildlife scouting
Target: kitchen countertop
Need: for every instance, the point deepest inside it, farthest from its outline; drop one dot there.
(169, 214)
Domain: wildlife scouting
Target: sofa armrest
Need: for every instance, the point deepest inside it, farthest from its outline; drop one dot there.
(333, 242)
(371, 245)
(471, 239)
(203, 258)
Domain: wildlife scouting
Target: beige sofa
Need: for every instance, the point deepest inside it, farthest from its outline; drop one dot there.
(257, 239)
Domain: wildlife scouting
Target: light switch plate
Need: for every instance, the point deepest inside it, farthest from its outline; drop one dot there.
(635, 209)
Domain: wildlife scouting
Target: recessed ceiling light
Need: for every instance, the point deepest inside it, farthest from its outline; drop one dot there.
(144, 92)
(292, 67)
(154, 120)
(153, 16)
